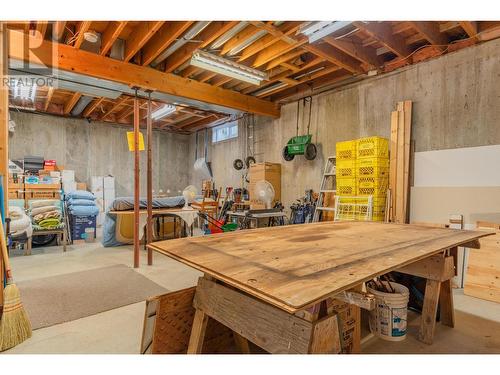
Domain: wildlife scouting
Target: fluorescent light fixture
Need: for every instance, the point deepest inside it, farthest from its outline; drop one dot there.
(226, 67)
(25, 92)
(247, 42)
(164, 111)
(318, 30)
(270, 89)
(228, 35)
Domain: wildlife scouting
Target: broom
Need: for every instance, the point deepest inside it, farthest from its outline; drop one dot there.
(15, 326)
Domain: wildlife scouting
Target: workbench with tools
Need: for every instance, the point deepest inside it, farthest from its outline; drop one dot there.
(275, 286)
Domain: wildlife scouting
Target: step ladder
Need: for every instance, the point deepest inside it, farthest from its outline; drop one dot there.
(328, 174)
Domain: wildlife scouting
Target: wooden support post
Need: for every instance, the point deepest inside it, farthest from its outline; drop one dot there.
(136, 180)
(149, 224)
(429, 311)
(241, 343)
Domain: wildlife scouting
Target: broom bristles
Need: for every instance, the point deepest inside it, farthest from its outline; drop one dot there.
(15, 326)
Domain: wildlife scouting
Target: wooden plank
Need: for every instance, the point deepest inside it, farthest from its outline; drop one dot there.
(198, 332)
(382, 31)
(400, 212)
(367, 55)
(140, 37)
(58, 29)
(149, 229)
(482, 279)
(241, 343)
(81, 29)
(430, 31)
(429, 310)
(70, 104)
(393, 164)
(266, 326)
(407, 107)
(470, 27)
(326, 336)
(83, 62)
(270, 263)
(136, 181)
(4, 132)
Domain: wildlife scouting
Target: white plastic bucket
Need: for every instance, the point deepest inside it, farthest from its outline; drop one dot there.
(388, 319)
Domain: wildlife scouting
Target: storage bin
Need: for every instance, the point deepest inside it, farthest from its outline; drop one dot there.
(372, 186)
(346, 186)
(345, 150)
(372, 147)
(346, 168)
(372, 167)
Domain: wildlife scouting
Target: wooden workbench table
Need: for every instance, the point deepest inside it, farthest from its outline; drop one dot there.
(272, 285)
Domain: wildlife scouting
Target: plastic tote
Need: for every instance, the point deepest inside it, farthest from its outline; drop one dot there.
(388, 319)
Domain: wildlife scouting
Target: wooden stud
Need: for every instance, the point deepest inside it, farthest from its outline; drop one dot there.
(241, 343)
(70, 104)
(50, 93)
(470, 27)
(431, 32)
(429, 311)
(136, 181)
(58, 29)
(382, 32)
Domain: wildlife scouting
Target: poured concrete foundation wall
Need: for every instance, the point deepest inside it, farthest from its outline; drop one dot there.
(99, 149)
(456, 103)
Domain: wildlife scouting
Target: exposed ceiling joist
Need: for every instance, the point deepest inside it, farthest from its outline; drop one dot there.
(58, 29)
(335, 56)
(470, 27)
(364, 54)
(112, 32)
(113, 109)
(91, 64)
(140, 37)
(50, 93)
(81, 29)
(92, 107)
(70, 104)
(383, 33)
(165, 36)
(430, 31)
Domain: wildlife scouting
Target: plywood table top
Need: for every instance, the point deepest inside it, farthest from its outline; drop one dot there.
(156, 211)
(295, 266)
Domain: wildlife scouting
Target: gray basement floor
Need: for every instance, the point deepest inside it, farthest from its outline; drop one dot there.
(119, 331)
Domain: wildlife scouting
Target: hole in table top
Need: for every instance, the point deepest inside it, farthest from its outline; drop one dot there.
(252, 280)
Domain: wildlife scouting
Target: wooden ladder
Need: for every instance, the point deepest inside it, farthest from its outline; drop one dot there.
(328, 173)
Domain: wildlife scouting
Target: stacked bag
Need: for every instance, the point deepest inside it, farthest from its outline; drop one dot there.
(46, 214)
(81, 203)
(20, 224)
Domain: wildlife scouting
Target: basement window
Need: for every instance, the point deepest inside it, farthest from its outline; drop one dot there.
(225, 131)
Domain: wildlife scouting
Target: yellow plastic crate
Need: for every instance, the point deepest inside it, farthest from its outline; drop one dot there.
(372, 186)
(346, 186)
(345, 150)
(372, 167)
(372, 147)
(379, 217)
(346, 168)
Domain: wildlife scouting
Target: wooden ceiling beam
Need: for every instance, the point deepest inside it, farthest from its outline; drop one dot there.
(208, 35)
(41, 28)
(81, 29)
(239, 38)
(70, 104)
(92, 107)
(383, 33)
(366, 55)
(430, 31)
(109, 36)
(139, 37)
(276, 50)
(470, 27)
(190, 70)
(284, 58)
(199, 123)
(58, 29)
(163, 38)
(94, 65)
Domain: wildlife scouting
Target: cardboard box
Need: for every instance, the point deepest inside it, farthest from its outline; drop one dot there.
(81, 186)
(55, 174)
(270, 172)
(69, 186)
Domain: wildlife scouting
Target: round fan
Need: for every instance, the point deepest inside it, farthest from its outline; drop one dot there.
(189, 193)
(264, 192)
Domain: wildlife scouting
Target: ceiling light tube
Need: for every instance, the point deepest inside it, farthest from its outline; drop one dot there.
(164, 111)
(247, 42)
(228, 35)
(318, 30)
(271, 88)
(226, 67)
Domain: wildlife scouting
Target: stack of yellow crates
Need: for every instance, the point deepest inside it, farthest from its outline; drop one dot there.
(346, 168)
(363, 171)
(372, 171)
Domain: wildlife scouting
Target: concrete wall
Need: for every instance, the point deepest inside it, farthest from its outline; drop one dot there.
(97, 149)
(456, 103)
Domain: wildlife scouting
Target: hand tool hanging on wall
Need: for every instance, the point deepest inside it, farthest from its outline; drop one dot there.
(301, 144)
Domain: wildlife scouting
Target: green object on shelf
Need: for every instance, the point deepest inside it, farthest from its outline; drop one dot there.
(229, 227)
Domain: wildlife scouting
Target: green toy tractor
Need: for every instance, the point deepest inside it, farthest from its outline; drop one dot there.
(300, 145)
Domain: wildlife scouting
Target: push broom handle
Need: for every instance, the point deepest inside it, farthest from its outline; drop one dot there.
(5, 256)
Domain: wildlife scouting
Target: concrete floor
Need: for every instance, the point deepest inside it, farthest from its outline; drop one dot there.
(119, 330)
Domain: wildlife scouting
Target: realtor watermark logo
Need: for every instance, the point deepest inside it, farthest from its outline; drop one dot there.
(32, 62)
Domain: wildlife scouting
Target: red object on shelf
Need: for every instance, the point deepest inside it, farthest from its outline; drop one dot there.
(49, 165)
